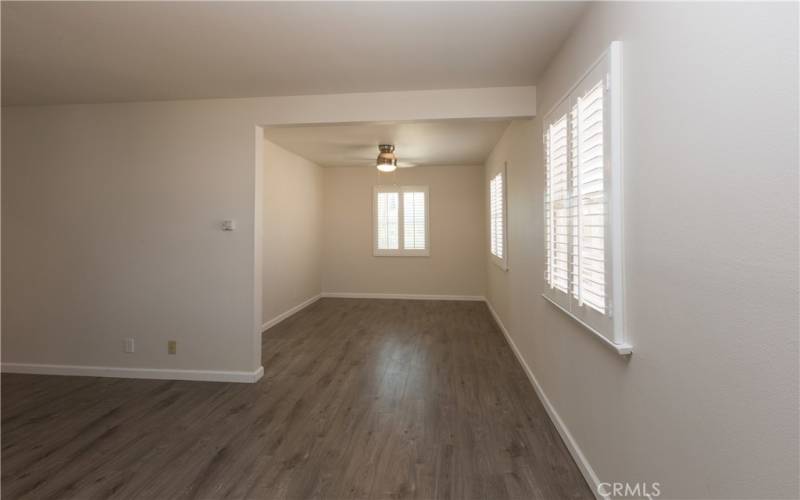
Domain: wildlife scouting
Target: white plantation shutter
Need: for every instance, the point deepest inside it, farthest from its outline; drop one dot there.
(401, 220)
(496, 216)
(548, 219)
(582, 202)
(590, 199)
(414, 220)
(388, 229)
(558, 202)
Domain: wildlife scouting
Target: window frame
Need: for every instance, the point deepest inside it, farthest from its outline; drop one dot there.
(501, 262)
(400, 251)
(609, 327)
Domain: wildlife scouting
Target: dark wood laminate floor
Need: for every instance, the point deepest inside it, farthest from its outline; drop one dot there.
(360, 399)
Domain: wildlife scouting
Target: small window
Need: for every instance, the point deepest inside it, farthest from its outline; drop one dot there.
(497, 219)
(401, 221)
(583, 202)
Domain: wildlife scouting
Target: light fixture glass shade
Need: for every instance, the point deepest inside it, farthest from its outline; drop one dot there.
(385, 165)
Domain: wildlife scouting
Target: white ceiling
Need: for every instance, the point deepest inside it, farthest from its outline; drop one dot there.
(80, 52)
(447, 142)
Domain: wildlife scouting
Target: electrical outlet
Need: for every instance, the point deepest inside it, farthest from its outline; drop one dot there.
(172, 347)
(128, 345)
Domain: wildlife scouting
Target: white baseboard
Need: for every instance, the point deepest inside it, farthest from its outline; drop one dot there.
(285, 314)
(402, 296)
(574, 450)
(146, 373)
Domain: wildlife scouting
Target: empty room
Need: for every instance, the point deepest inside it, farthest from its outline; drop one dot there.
(384, 250)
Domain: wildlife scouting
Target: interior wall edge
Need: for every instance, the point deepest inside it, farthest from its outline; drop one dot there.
(258, 242)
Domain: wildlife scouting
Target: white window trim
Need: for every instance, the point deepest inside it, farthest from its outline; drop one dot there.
(618, 342)
(400, 252)
(502, 263)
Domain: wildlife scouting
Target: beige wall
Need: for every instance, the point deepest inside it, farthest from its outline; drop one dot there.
(707, 405)
(111, 229)
(292, 234)
(456, 265)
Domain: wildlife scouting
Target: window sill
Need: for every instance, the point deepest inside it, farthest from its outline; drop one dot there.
(623, 349)
(499, 263)
(401, 253)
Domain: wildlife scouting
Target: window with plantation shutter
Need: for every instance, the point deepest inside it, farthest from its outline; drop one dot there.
(497, 219)
(386, 220)
(400, 216)
(414, 220)
(583, 202)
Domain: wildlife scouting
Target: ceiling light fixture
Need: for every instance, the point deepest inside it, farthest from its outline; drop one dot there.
(387, 161)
